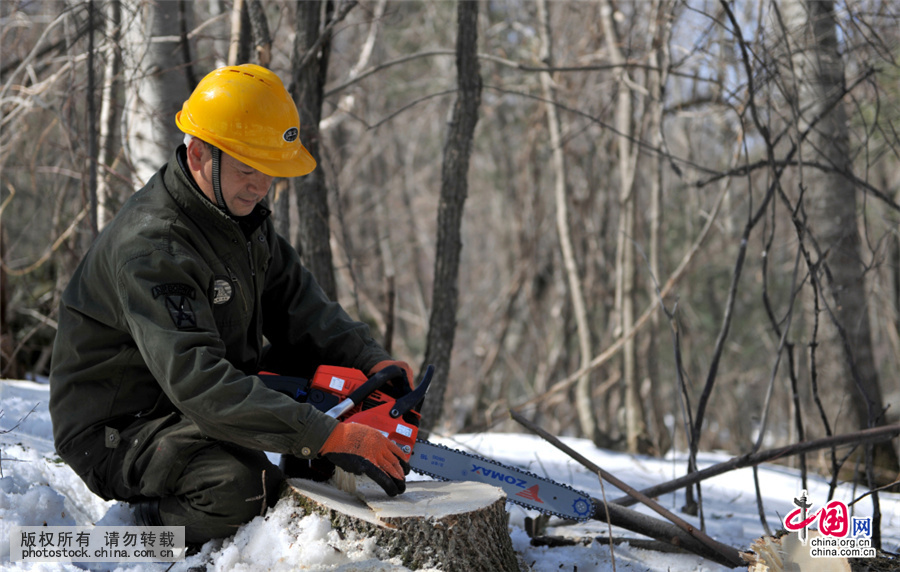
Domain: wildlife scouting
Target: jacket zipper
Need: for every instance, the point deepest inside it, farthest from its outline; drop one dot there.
(257, 314)
(250, 259)
(237, 285)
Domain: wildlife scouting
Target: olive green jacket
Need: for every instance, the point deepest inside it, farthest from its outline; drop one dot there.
(170, 309)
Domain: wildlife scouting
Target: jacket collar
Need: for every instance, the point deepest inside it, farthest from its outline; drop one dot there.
(190, 198)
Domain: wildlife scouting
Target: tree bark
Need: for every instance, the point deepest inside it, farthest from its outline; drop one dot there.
(453, 526)
(584, 402)
(262, 40)
(312, 193)
(220, 32)
(347, 104)
(454, 188)
(9, 367)
(661, 16)
(156, 89)
(92, 135)
(239, 45)
(109, 114)
(845, 362)
(635, 417)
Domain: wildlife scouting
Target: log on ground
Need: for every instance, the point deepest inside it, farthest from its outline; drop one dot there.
(451, 526)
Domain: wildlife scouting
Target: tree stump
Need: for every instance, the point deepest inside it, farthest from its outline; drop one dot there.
(451, 526)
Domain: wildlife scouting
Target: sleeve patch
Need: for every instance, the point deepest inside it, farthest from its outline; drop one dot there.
(173, 290)
(182, 313)
(178, 302)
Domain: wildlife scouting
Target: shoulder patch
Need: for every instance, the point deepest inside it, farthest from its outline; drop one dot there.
(178, 302)
(174, 289)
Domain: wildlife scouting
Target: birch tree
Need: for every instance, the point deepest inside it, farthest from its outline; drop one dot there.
(156, 89)
(635, 420)
(584, 402)
(846, 368)
(661, 16)
(109, 112)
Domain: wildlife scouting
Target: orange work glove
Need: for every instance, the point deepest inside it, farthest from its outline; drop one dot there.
(410, 377)
(360, 449)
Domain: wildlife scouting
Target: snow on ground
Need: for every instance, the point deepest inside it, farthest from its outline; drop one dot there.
(36, 488)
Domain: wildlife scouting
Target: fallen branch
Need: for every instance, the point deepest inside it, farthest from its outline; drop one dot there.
(10, 430)
(873, 435)
(684, 533)
(662, 531)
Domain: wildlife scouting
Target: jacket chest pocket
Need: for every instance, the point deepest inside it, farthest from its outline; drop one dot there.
(230, 301)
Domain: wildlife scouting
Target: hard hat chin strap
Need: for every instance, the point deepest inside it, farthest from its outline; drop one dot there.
(217, 178)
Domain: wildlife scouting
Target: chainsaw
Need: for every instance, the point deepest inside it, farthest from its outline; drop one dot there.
(385, 402)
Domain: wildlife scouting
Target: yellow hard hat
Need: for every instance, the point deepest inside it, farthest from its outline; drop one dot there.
(246, 112)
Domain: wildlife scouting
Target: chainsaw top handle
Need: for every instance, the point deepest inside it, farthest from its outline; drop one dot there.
(371, 385)
(375, 382)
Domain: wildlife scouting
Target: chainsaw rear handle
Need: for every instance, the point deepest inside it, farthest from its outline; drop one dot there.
(293, 387)
(371, 385)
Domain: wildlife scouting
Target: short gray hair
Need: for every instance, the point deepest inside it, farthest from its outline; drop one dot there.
(188, 138)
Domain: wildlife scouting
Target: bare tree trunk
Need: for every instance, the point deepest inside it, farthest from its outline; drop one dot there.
(390, 275)
(109, 111)
(894, 288)
(8, 365)
(635, 421)
(220, 32)
(660, 14)
(890, 320)
(584, 403)
(846, 369)
(312, 193)
(262, 40)
(239, 45)
(348, 101)
(156, 89)
(92, 117)
(454, 188)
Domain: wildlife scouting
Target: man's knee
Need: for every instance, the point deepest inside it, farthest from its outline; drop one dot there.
(248, 485)
(221, 488)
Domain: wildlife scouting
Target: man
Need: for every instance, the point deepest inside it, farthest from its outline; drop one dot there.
(181, 300)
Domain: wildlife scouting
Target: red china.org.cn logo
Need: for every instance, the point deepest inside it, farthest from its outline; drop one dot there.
(841, 534)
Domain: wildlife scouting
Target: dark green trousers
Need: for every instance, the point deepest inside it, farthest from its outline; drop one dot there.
(210, 487)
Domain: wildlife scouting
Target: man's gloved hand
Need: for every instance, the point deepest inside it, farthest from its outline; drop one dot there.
(360, 449)
(410, 377)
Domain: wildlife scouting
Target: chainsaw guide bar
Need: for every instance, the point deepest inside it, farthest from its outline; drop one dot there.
(385, 401)
(521, 487)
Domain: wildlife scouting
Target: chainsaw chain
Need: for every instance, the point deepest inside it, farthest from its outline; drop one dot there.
(508, 497)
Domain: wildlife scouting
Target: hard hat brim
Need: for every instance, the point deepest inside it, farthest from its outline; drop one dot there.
(301, 164)
(296, 163)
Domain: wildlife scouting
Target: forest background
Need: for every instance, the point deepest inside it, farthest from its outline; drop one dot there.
(655, 224)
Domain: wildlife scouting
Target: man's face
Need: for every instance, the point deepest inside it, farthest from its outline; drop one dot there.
(242, 186)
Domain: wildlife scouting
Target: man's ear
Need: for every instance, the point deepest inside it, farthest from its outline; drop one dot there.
(196, 154)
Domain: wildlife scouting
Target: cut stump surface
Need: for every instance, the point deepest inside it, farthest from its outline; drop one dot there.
(451, 526)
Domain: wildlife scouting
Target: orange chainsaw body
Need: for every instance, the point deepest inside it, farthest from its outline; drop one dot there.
(332, 384)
